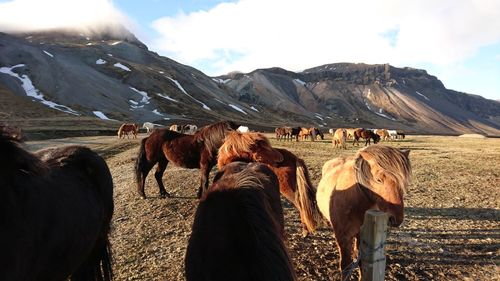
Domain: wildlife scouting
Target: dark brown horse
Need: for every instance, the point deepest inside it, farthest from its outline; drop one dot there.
(238, 227)
(365, 134)
(198, 151)
(294, 181)
(377, 177)
(315, 132)
(55, 213)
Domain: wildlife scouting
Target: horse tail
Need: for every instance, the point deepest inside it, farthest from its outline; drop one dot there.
(305, 197)
(140, 162)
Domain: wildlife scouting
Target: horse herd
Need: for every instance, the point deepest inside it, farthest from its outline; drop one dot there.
(58, 203)
(133, 129)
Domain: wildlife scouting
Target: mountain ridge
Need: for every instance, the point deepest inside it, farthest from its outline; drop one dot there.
(121, 78)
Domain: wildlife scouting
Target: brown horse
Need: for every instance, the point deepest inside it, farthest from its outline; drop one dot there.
(383, 134)
(375, 178)
(56, 208)
(282, 132)
(315, 132)
(293, 176)
(198, 151)
(238, 227)
(340, 138)
(365, 134)
(127, 128)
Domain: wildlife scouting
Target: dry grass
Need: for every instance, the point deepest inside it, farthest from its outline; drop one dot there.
(451, 230)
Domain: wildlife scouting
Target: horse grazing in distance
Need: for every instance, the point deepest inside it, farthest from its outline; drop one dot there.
(127, 128)
(295, 132)
(350, 133)
(304, 133)
(237, 231)
(340, 138)
(197, 151)
(294, 181)
(57, 206)
(315, 132)
(367, 135)
(393, 134)
(382, 133)
(400, 134)
(377, 177)
(148, 126)
(283, 132)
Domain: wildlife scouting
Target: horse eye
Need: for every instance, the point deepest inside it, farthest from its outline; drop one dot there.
(378, 180)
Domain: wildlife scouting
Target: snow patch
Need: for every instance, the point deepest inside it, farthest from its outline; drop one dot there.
(31, 91)
(167, 97)
(100, 61)
(184, 91)
(254, 109)
(379, 113)
(157, 112)
(300, 82)
(48, 54)
(422, 95)
(89, 44)
(220, 101)
(115, 43)
(110, 55)
(145, 98)
(119, 65)
(101, 115)
(237, 108)
(133, 102)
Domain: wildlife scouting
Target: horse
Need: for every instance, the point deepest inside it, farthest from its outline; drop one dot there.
(340, 138)
(350, 133)
(189, 129)
(295, 132)
(315, 132)
(383, 134)
(148, 126)
(304, 133)
(393, 134)
(197, 151)
(376, 177)
(283, 132)
(294, 181)
(367, 135)
(331, 131)
(237, 232)
(401, 134)
(127, 128)
(56, 209)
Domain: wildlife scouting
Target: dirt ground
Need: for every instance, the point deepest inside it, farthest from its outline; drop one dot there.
(451, 230)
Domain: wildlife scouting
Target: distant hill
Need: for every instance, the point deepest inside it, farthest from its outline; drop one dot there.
(115, 76)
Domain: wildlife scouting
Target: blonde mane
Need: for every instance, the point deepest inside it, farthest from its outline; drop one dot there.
(237, 142)
(391, 160)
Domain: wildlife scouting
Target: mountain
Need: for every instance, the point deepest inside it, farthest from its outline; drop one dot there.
(112, 75)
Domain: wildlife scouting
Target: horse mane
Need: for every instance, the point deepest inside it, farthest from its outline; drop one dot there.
(14, 157)
(214, 134)
(391, 160)
(241, 196)
(241, 146)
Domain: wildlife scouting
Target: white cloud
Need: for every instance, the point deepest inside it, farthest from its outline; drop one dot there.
(295, 35)
(83, 15)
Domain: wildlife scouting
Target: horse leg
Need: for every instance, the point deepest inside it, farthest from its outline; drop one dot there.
(206, 164)
(346, 249)
(160, 169)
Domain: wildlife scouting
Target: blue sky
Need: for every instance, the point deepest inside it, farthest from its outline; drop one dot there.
(456, 40)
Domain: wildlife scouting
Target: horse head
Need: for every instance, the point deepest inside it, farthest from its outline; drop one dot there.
(385, 172)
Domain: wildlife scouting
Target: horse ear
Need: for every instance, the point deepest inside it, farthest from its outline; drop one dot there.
(406, 152)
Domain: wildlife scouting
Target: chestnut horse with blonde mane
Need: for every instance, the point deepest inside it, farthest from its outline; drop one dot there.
(197, 151)
(340, 138)
(238, 228)
(295, 184)
(127, 128)
(377, 177)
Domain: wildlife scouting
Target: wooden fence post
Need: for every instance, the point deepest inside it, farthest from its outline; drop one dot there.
(372, 246)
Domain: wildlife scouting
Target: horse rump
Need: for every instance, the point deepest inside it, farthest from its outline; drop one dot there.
(63, 197)
(237, 230)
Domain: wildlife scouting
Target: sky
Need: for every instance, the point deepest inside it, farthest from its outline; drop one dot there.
(457, 41)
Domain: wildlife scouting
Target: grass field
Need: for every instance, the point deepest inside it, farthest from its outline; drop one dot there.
(451, 230)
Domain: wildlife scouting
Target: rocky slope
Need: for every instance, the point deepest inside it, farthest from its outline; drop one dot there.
(114, 76)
